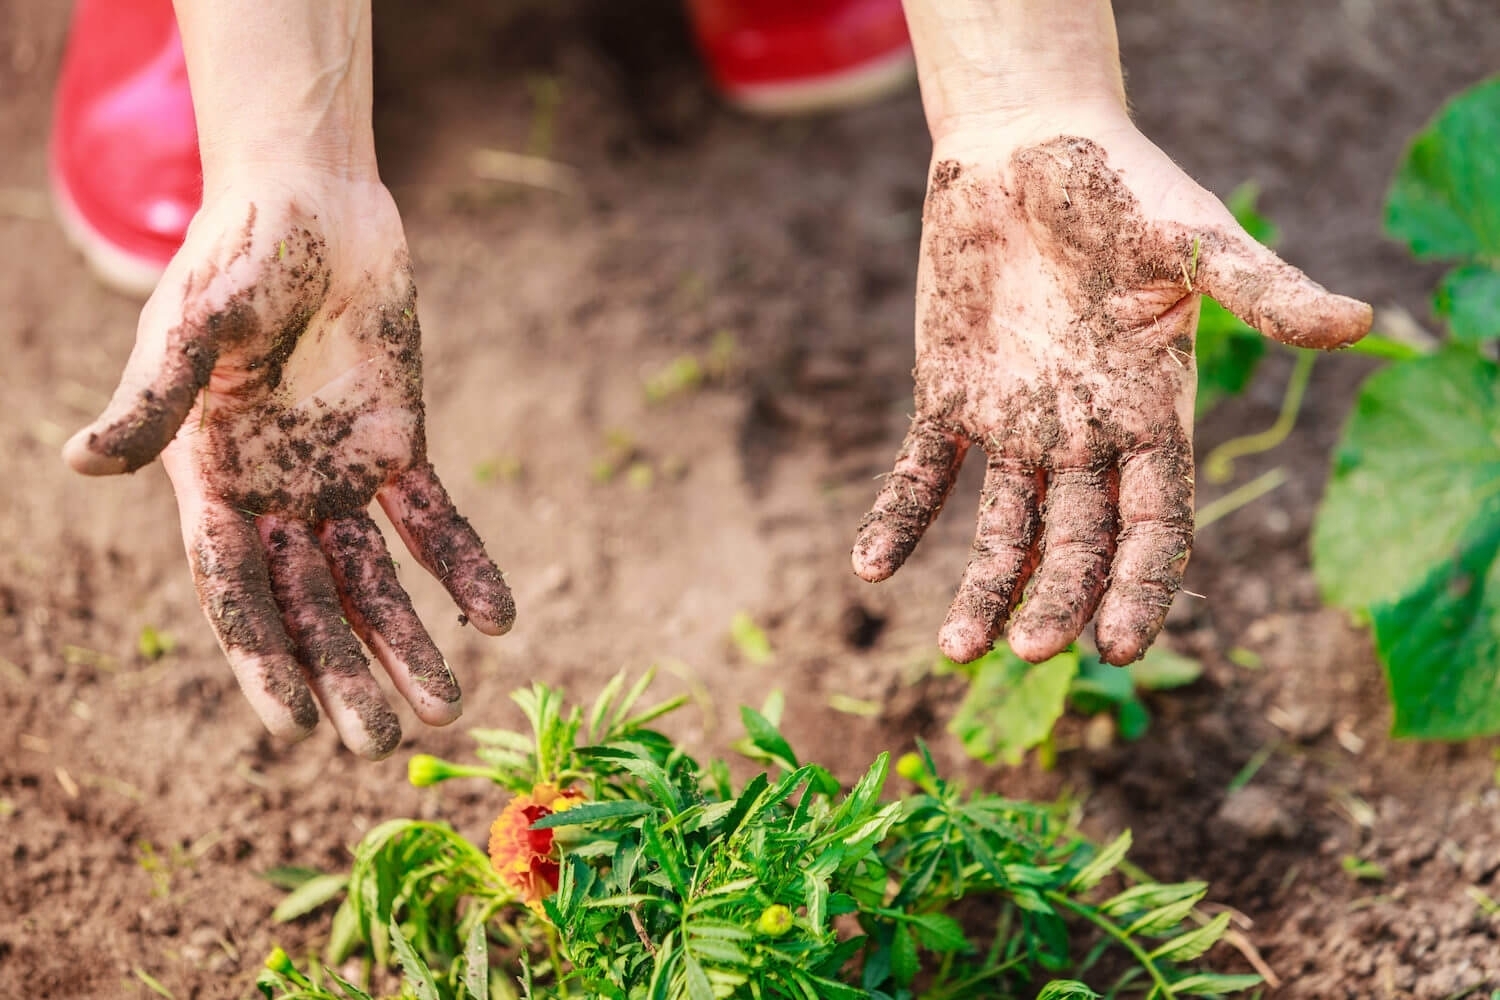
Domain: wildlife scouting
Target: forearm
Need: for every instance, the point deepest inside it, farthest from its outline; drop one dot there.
(1004, 62)
(280, 83)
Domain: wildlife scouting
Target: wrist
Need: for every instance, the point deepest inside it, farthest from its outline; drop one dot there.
(1016, 65)
(280, 84)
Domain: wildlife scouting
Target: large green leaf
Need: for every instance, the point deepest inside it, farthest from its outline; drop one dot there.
(1410, 530)
(1441, 643)
(1011, 705)
(1444, 201)
(1469, 298)
(1445, 205)
(1418, 465)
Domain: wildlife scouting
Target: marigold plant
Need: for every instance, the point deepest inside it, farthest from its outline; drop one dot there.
(676, 883)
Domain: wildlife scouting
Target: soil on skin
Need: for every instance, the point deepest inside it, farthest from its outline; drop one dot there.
(139, 801)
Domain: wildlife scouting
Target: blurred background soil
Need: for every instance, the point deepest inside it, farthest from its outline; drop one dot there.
(139, 800)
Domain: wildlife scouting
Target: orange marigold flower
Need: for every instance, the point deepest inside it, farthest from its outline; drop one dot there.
(525, 858)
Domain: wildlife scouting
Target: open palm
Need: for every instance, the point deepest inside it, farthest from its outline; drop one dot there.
(278, 372)
(1057, 299)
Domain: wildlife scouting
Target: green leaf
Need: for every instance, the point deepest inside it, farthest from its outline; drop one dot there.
(1242, 205)
(594, 812)
(309, 896)
(1102, 864)
(1149, 896)
(1441, 644)
(698, 987)
(903, 956)
(1443, 202)
(1211, 984)
(939, 932)
(1011, 705)
(1469, 298)
(1418, 463)
(767, 739)
(750, 639)
(1133, 720)
(1227, 354)
(1099, 687)
(1066, 989)
(477, 963)
(1161, 669)
(290, 877)
(418, 975)
(1164, 918)
(1191, 945)
(1408, 532)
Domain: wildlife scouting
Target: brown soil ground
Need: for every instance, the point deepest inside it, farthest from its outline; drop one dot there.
(139, 801)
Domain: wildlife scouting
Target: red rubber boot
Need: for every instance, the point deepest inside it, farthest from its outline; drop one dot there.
(791, 56)
(124, 153)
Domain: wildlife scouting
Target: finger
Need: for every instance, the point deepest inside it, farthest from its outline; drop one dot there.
(1078, 529)
(1003, 542)
(1249, 280)
(1156, 536)
(161, 382)
(381, 613)
(913, 494)
(448, 547)
(234, 589)
(335, 665)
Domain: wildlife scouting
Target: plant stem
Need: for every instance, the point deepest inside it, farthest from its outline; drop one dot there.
(1109, 927)
(1218, 467)
(1240, 496)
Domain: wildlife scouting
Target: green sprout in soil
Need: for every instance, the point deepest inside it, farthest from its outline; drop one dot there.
(621, 867)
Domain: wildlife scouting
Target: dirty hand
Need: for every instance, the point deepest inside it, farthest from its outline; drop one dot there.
(278, 372)
(1057, 299)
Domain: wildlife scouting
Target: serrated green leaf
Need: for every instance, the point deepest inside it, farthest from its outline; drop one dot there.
(1066, 989)
(1102, 863)
(1164, 918)
(903, 956)
(938, 932)
(1406, 532)
(418, 975)
(1149, 896)
(477, 963)
(290, 877)
(766, 737)
(1468, 297)
(594, 812)
(1011, 705)
(698, 987)
(1210, 984)
(309, 896)
(1443, 202)
(1191, 945)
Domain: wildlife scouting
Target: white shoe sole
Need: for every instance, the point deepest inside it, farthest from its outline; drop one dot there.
(825, 93)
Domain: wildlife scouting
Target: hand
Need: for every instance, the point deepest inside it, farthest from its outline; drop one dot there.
(1057, 299)
(279, 366)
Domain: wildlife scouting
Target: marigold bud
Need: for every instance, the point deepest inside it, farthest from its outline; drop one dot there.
(774, 921)
(911, 766)
(278, 961)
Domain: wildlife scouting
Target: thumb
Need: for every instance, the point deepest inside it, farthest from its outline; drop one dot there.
(1249, 280)
(162, 379)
